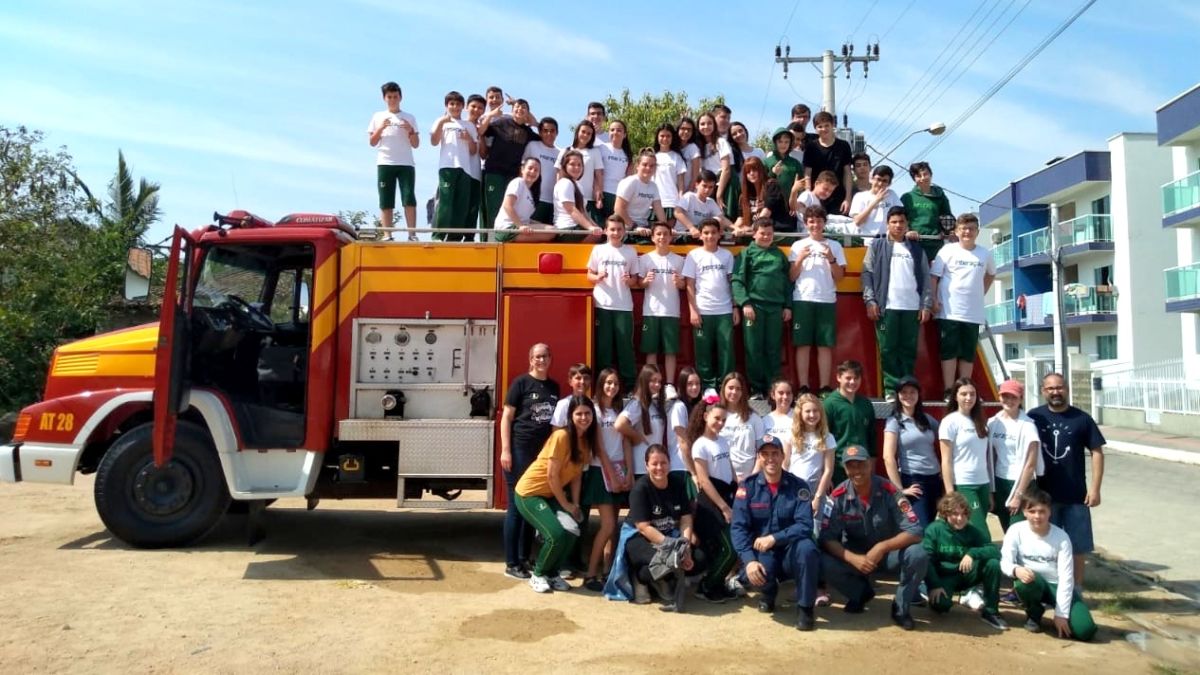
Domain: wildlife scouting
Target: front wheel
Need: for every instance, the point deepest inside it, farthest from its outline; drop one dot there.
(151, 507)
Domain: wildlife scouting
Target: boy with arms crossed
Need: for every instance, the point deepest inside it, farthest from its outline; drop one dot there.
(504, 140)
(395, 134)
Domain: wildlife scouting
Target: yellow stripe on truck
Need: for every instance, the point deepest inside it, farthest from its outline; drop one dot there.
(103, 365)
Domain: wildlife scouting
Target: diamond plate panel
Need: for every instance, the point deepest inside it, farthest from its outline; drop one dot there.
(445, 448)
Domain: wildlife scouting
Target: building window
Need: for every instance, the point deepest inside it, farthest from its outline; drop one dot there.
(1008, 294)
(1102, 206)
(1012, 352)
(1106, 347)
(1102, 276)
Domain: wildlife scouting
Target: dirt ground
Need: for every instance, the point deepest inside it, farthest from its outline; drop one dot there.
(361, 587)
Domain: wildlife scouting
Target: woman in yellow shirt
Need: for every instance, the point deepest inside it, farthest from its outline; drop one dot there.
(542, 494)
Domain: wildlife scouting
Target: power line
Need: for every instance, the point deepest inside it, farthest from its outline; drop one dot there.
(898, 18)
(862, 20)
(980, 202)
(887, 120)
(953, 126)
(932, 100)
(961, 44)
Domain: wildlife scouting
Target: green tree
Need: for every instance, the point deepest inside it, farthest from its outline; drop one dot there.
(62, 256)
(643, 115)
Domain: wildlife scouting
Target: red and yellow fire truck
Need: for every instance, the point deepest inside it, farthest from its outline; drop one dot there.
(293, 359)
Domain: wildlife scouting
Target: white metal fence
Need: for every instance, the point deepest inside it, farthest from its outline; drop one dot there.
(1161, 386)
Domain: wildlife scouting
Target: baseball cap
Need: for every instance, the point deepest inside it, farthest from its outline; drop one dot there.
(1012, 387)
(768, 439)
(855, 453)
(908, 381)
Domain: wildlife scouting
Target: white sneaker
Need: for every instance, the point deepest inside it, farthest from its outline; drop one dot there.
(735, 587)
(671, 393)
(539, 584)
(559, 584)
(972, 599)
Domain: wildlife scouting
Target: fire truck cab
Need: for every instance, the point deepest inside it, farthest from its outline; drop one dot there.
(293, 359)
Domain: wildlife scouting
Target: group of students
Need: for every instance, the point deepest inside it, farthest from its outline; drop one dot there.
(504, 169)
(724, 500)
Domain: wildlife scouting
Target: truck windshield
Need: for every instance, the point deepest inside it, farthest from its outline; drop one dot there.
(229, 272)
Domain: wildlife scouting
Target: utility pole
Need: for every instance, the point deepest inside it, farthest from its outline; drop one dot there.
(1061, 364)
(830, 63)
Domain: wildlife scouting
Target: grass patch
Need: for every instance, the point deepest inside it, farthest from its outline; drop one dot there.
(1164, 669)
(1120, 603)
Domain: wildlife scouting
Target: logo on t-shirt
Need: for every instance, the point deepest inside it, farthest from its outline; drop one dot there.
(1059, 448)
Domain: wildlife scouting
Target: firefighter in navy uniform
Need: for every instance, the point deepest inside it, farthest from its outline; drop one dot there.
(861, 536)
(772, 533)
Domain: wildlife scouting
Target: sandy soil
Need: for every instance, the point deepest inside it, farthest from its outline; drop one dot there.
(349, 589)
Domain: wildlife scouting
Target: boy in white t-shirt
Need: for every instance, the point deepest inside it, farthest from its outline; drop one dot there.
(818, 264)
(476, 104)
(869, 208)
(612, 268)
(638, 201)
(395, 134)
(459, 141)
(546, 153)
(697, 206)
(1038, 556)
(708, 273)
(661, 275)
(822, 189)
(960, 278)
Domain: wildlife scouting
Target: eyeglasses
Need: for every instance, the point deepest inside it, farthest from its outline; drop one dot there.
(540, 357)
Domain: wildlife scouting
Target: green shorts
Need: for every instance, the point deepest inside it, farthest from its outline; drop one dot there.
(814, 324)
(606, 208)
(543, 213)
(572, 236)
(391, 175)
(958, 340)
(668, 211)
(594, 492)
(660, 335)
(505, 235)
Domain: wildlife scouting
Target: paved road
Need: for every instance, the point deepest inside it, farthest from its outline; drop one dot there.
(1150, 517)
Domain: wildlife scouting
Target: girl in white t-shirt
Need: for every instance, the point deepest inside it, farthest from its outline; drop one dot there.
(520, 200)
(591, 182)
(609, 469)
(716, 483)
(812, 447)
(669, 170)
(966, 466)
(688, 388)
(569, 205)
(743, 428)
(1015, 450)
(778, 422)
(616, 160)
(644, 419)
(716, 155)
(689, 149)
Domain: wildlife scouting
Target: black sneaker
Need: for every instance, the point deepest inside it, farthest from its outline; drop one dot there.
(948, 396)
(716, 596)
(594, 584)
(854, 607)
(803, 390)
(992, 619)
(905, 621)
(766, 606)
(1033, 625)
(805, 621)
(516, 572)
(890, 397)
(825, 391)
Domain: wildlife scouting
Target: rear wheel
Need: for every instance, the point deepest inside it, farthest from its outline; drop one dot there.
(153, 507)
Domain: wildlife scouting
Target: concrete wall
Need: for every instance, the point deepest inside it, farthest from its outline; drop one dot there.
(1145, 332)
(1169, 423)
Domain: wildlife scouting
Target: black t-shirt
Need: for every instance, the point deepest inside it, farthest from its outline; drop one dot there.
(835, 158)
(534, 400)
(508, 146)
(661, 508)
(1064, 438)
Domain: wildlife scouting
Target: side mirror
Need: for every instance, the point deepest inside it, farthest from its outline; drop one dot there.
(139, 267)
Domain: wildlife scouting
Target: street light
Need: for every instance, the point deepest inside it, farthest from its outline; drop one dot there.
(935, 129)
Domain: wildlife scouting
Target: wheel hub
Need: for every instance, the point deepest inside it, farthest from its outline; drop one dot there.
(163, 491)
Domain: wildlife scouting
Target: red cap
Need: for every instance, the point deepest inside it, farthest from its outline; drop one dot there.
(1012, 387)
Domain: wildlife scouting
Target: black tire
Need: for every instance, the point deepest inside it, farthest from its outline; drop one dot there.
(158, 508)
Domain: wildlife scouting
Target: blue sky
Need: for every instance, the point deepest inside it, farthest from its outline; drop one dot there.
(264, 105)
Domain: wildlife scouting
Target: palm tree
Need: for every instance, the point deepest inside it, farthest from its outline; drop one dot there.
(128, 214)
